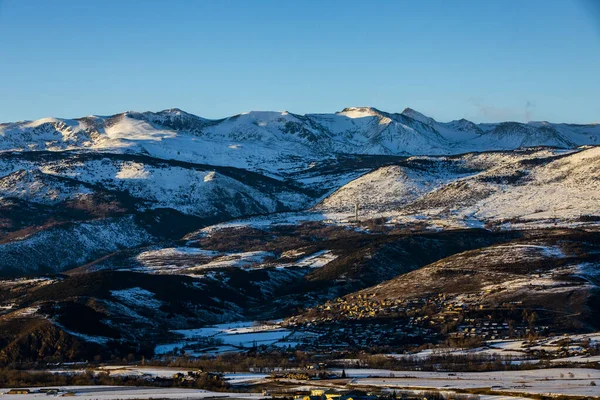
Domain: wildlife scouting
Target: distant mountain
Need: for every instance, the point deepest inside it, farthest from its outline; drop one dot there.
(278, 141)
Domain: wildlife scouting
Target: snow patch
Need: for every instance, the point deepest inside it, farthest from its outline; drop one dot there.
(137, 296)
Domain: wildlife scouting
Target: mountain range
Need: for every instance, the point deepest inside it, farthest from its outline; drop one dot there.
(278, 141)
(149, 223)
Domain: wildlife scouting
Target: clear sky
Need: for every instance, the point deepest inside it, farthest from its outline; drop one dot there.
(485, 60)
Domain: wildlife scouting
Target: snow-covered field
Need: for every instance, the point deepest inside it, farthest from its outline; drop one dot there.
(235, 336)
(556, 381)
(236, 260)
(186, 260)
(519, 351)
(128, 392)
(566, 381)
(193, 261)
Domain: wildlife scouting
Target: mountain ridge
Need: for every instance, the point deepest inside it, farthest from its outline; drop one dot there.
(407, 111)
(277, 141)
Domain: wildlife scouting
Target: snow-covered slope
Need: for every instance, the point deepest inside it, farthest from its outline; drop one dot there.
(58, 247)
(393, 186)
(187, 190)
(63, 209)
(39, 187)
(520, 186)
(192, 189)
(563, 187)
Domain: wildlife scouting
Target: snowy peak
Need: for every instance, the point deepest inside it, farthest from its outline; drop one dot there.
(417, 116)
(174, 111)
(464, 125)
(360, 112)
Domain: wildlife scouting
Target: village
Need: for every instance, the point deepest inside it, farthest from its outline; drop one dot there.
(369, 322)
(337, 394)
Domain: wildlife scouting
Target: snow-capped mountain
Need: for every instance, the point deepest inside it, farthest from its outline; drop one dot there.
(279, 141)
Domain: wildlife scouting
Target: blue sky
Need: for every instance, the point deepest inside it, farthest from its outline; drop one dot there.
(484, 60)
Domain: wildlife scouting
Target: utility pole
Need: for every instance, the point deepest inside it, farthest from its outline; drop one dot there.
(356, 212)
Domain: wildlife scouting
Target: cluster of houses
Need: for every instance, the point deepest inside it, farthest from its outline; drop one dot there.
(363, 321)
(487, 330)
(305, 375)
(342, 335)
(364, 306)
(191, 376)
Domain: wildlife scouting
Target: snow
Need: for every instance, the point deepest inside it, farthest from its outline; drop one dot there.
(540, 381)
(137, 296)
(552, 343)
(467, 190)
(39, 188)
(81, 242)
(130, 392)
(417, 116)
(190, 260)
(287, 218)
(24, 312)
(189, 190)
(578, 359)
(316, 260)
(209, 177)
(508, 345)
(233, 336)
(133, 171)
(564, 188)
(359, 112)
(173, 259)
(258, 338)
(387, 188)
(458, 352)
(240, 378)
(168, 348)
(170, 252)
(129, 129)
(87, 338)
(536, 189)
(555, 381)
(245, 259)
(518, 350)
